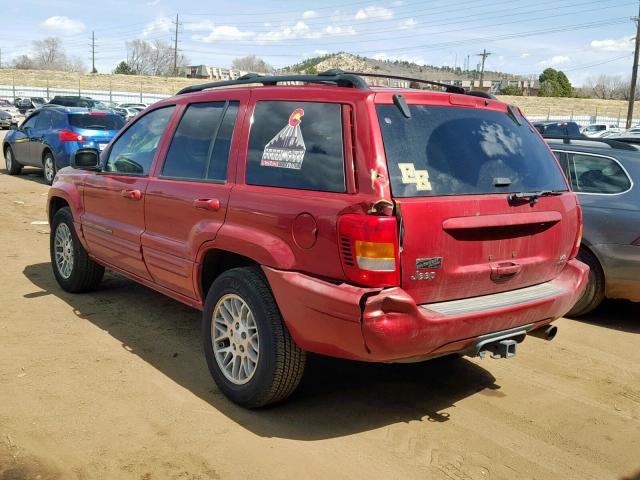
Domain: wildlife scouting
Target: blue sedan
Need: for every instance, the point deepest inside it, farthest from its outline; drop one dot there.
(50, 135)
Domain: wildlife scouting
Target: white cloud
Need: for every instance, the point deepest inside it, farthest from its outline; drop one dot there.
(374, 11)
(63, 24)
(398, 3)
(309, 14)
(160, 24)
(555, 61)
(153, 3)
(202, 25)
(408, 24)
(624, 44)
(525, 55)
(300, 29)
(315, 53)
(337, 30)
(223, 32)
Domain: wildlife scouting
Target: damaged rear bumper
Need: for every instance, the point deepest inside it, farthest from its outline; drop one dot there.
(372, 324)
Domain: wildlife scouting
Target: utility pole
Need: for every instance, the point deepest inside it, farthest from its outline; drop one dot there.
(175, 48)
(634, 72)
(93, 53)
(484, 56)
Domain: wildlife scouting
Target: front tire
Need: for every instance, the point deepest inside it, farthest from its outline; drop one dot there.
(594, 291)
(10, 162)
(249, 351)
(74, 271)
(49, 167)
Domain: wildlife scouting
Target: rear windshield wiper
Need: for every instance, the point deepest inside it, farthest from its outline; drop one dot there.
(531, 197)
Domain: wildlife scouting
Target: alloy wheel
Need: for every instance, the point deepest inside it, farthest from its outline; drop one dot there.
(8, 160)
(63, 245)
(48, 168)
(236, 345)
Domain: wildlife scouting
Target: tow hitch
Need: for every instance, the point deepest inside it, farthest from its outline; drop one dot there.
(500, 344)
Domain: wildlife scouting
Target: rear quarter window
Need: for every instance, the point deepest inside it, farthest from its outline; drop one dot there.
(462, 151)
(596, 174)
(296, 145)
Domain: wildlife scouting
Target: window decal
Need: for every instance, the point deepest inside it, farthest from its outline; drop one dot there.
(411, 175)
(286, 149)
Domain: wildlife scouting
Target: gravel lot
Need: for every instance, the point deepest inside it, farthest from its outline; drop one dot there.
(113, 385)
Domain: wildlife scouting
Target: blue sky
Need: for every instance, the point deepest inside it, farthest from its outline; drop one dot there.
(582, 37)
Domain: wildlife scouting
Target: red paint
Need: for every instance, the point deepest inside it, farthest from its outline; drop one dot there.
(158, 230)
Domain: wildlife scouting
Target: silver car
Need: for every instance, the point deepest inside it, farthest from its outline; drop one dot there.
(604, 173)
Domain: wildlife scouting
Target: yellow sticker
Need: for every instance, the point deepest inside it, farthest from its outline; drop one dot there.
(411, 175)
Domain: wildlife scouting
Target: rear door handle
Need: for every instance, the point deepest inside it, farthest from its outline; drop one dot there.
(132, 194)
(207, 203)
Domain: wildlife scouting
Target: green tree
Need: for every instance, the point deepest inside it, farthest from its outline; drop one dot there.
(123, 68)
(554, 83)
(511, 90)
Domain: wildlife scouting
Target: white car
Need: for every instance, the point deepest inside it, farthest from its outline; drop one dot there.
(596, 130)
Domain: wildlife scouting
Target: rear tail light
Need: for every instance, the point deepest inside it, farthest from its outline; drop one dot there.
(576, 244)
(369, 249)
(68, 136)
(98, 114)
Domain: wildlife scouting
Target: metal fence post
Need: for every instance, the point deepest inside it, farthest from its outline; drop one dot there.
(79, 86)
(110, 93)
(596, 120)
(13, 83)
(47, 89)
(140, 92)
(548, 113)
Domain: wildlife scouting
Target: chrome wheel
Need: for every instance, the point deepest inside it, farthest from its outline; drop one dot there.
(8, 160)
(234, 334)
(49, 168)
(63, 245)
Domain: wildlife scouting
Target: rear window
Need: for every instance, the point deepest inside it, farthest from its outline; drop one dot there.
(462, 151)
(96, 122)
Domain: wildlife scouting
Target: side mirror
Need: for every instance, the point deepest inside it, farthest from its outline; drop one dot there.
(86, 159)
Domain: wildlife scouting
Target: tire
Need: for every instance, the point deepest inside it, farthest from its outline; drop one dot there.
(80, 274)
(594, 292)
(279, 362)
(49, 167)
(10, 162)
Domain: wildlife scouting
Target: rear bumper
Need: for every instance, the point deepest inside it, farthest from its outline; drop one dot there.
(386, 325)
(621, 264)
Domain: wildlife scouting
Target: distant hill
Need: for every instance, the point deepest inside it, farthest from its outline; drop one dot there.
(356, 63)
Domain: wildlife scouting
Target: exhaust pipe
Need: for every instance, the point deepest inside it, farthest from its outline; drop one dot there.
(547, 332)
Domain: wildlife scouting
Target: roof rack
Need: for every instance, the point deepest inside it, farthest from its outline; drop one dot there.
(335, 76)
(448, 88)
(608, 141)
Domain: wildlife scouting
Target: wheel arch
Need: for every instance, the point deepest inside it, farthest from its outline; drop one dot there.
(215, 261)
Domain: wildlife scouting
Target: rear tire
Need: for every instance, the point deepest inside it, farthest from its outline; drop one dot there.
(74, 271)
(49, 167)
(10, 162)
(594, 292)
(248, 330)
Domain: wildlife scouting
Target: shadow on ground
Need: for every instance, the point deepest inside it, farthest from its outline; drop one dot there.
(28, 173)
(620, 315)
(336, 397)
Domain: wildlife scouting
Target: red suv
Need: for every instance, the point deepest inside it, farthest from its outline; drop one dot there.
(386, 225)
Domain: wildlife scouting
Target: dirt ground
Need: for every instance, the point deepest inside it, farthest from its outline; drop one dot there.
(113, 385)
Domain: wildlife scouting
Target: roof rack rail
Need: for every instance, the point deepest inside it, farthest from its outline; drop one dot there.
(337, 77)
(448, 88)
(609, 141)
(334, 76)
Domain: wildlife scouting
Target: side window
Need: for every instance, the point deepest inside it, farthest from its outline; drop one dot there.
(30, 122)
(592, 174)
(564, 162)
(133, 152)
(43, 121)
(297, 145)
(201, 144)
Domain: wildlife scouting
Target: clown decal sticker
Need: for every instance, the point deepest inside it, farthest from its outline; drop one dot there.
(286, 149)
